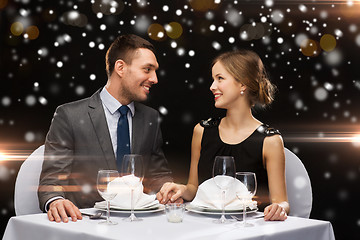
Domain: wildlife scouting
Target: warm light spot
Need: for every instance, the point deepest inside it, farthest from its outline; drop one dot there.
(17, 28)
(32, 32)
(328, 42)
(156, 32)
(356, 140)
(203, 6)
(174, 30)
(62, 177)
(3, 3)
(310, 48)
(2, 157)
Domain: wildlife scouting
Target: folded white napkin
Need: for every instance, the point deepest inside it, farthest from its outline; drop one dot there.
(209, 195)
(123, 198)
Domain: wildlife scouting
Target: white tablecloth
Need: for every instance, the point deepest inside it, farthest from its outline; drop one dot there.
(155, 226)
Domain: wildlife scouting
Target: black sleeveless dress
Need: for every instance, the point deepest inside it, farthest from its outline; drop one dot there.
(247, 154)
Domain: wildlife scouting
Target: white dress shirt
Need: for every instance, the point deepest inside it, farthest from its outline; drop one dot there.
(112, 115)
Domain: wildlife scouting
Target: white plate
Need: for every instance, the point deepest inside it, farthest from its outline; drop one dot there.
(157, 208)
(201, 210)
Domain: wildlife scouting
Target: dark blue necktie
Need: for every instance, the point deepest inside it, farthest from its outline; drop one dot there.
(123, 136)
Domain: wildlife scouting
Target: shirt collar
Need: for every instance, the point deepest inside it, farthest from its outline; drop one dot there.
(112, 104)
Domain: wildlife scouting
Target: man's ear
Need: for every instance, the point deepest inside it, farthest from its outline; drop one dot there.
(120, 67)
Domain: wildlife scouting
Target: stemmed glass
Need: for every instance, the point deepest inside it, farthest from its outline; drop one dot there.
(224, 176)
(104, 177)
(249, 180)
(132, 170)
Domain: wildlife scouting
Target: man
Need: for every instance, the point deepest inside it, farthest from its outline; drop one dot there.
(84, 135)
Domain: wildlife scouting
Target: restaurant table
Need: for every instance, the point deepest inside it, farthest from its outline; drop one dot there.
(155, 226)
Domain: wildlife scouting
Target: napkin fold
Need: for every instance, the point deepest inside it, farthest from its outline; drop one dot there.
(123, 198)
(209, 195)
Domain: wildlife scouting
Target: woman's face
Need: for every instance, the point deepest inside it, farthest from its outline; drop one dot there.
(225, 88)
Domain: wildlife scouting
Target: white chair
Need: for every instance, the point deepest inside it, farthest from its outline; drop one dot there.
(298, 186)
(27, 182)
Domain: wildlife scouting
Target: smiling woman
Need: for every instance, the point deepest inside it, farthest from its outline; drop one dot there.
(239, 82)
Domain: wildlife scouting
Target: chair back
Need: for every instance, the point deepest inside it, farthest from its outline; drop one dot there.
(27, 181)
(298, 186)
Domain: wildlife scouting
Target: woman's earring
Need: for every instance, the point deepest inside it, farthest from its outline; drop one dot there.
(242, 92)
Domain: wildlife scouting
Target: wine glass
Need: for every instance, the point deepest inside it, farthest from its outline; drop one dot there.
(224, 176)
(245, 195)
(132, 170)
(104, 178)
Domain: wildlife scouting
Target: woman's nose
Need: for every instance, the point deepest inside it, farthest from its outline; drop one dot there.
(213, 86)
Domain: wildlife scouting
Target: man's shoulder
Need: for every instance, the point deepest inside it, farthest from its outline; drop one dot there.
(81, 103)
(75, 105)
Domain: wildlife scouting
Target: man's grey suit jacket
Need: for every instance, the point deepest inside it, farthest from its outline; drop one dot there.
(78, 144)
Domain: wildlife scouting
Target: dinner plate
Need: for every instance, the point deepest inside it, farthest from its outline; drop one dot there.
(151, 209)
(203, 210)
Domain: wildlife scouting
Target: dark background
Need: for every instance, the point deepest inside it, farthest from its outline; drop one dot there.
(316, 107)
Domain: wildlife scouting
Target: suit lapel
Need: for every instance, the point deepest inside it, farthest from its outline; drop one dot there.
(137, 130)
(97, 116)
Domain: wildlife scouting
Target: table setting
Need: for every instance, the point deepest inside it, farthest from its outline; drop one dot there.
(137, 215)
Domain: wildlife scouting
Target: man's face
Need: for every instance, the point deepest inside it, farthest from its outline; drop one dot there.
(139, 76)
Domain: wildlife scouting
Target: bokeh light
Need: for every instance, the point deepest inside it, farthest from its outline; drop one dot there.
(74, 18)
(174, 30)
(357, 40)
(234, 18)
(3, 3)
(328, 42)
(17, 28)
(32, 32)
(142, 23)
(300, 38)
(156, 32)
(108, 7)
(277, 16)
(6, 101)
(321, 94)
(310, 48)
(203, 6)
(29, 136)
(334, 58)
(163, 110)
(4, 173)
(30, 100)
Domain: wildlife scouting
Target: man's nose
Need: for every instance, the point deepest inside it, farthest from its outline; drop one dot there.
(153, 79)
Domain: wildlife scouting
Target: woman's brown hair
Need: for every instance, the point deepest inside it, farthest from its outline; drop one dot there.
(246, 67)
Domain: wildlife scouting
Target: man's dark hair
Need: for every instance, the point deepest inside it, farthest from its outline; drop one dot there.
(124, 48)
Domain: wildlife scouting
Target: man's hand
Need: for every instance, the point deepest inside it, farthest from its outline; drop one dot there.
(171, 192)
(60, 209)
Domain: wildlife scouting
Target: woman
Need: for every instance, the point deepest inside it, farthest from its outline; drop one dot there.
(239, 82)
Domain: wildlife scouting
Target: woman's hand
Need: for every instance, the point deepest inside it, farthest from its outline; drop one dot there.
(171, 192)
(275, 212)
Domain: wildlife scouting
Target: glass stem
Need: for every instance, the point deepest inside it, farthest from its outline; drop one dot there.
(244, 213)
(223, 206)
(132, 216)
(107, 211)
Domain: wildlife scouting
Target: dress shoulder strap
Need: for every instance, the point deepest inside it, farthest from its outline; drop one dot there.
(267, 130)
(211, 122)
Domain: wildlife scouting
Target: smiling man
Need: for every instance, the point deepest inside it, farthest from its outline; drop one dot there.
(94, 133)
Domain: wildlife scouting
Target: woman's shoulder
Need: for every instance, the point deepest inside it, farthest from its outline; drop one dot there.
(267, 130)
(210, 122)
